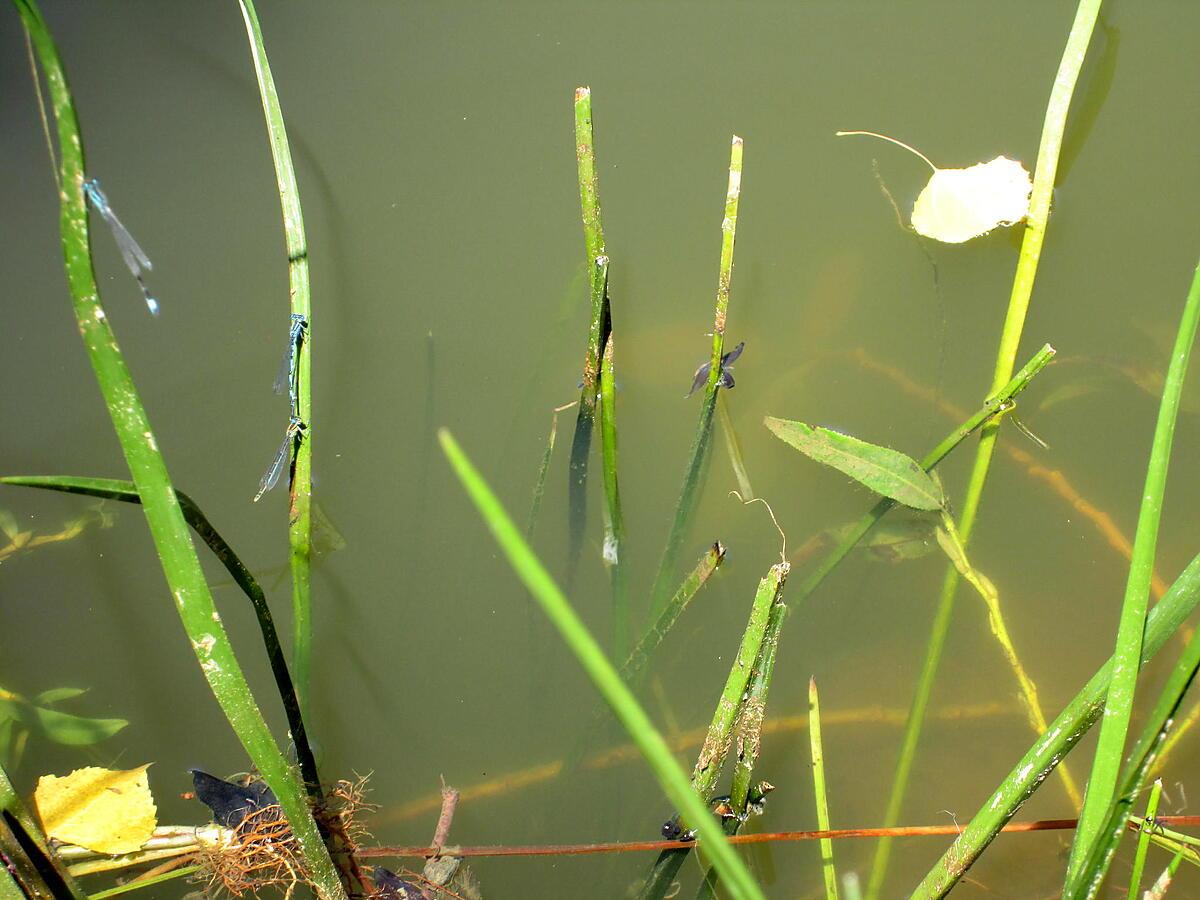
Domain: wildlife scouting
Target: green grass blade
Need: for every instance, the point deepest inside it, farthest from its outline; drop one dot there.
(539, 487)
(614, 538)
(598, 327)
(27, 854)
(1065, 731)
(1054, 124)
(144, 883)
(124, 491)
(703, 438)
(1143, 844)
(602, 673)
(300, 505)
(169, 530)
(1111, 747)
(881, 469)
(822, 802)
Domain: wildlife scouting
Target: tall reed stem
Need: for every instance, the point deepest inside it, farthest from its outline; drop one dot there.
(703, 439)
(300, 507)
(1010, 339)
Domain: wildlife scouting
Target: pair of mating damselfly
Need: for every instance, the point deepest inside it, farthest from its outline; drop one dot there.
(288, 380)
(135, 258)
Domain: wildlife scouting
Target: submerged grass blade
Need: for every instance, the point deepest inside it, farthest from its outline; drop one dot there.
(822, 803)
(734, 448)
(1053, 127)
(598, 327)
(948, 538)
(703, 439)
(1127, 656)
(539, 487)
(124, 491)
(614, 537)
(169, 530)
(602, 673)
(300, 506)
(1180, 601)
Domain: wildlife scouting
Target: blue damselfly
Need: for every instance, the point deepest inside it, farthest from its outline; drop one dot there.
(286, 379)
(283, 458)
(135, 259)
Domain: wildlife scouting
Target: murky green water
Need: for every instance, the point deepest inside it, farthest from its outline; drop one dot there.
(436, 165)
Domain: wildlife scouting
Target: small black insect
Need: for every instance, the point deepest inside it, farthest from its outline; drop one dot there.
(725, 379)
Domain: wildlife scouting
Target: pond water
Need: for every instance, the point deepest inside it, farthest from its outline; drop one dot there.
(434, 150)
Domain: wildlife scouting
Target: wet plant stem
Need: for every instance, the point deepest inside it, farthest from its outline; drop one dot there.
(300, 504)
(598, 327)
(702, 441)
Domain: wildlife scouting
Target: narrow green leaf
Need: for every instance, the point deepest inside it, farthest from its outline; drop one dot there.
(57, 695)
(602, 673)
(819, 797)
(59, 727)
(883, 470)
(1110, 748)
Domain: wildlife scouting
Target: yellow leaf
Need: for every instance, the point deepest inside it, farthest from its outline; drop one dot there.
(959, 204)
(105, 810)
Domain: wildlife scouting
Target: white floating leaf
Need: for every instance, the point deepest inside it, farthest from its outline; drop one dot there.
(959, 204)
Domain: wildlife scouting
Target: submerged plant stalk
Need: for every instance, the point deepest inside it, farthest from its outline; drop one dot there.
(598, 328)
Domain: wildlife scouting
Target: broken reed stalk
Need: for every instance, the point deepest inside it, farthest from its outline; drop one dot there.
(168, 529)
(614, 532)
(1010, 338)
(300, 300)
(598, 327)
(748, 735)
(719, 737)
(703, 438)
(633, 670)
